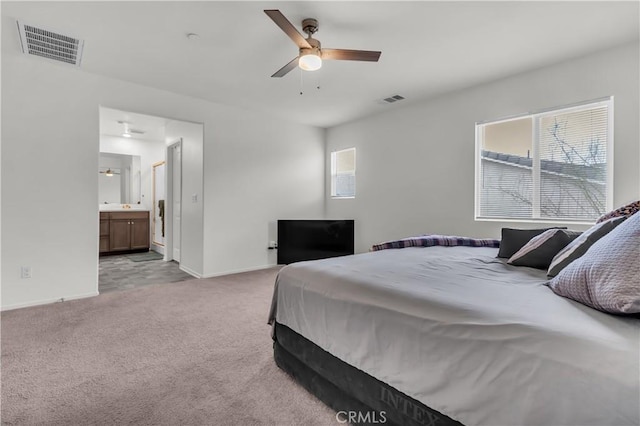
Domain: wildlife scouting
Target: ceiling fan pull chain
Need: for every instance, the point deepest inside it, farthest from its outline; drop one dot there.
(301, 86)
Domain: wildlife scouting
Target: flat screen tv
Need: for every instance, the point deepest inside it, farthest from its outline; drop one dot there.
(300, 240)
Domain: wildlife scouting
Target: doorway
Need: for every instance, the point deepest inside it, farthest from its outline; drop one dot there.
(174, 201)
(158, 144)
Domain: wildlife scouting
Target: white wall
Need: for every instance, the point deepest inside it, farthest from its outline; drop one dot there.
(260, 170)
(415, 164)
(256, 169)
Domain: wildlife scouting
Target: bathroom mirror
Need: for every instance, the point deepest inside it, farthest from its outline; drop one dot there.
(119, 179)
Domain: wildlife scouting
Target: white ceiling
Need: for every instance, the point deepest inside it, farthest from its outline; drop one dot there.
(153, 127)
(428, 47)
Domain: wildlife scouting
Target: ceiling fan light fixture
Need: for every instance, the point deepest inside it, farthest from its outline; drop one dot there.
(310, 60)
(108, 173)
(127, 132)
(310, 56)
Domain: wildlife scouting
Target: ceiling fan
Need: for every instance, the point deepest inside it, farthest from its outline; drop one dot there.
(109, 172)
(129, 131)
(311, 54)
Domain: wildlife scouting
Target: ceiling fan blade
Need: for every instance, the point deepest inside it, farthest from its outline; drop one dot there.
(284, 70)
(350, 55)
(287, 27)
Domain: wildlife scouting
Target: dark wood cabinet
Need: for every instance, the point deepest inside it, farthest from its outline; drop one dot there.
(127, 231)
(119, 234)
(104, 232)
(139, 233)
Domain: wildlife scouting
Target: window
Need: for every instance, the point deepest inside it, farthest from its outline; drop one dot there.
(554, 165)
(343, 173)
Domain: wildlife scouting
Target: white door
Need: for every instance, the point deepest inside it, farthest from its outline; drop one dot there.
(177, 196)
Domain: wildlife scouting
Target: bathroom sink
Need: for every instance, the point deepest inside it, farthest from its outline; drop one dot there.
(110, 207)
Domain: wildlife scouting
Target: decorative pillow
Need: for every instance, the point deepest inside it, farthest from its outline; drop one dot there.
(627, 210)
(539, 251)
(580, 245)
(607, 277)
(514, 239)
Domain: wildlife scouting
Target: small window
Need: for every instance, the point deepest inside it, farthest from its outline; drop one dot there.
(343, 173)
(554, 165)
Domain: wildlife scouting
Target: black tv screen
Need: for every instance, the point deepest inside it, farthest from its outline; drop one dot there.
(300, 240)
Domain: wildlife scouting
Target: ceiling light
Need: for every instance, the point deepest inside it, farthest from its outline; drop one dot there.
(193, 36)
(310, 59)
(109, 172)
(126, 133)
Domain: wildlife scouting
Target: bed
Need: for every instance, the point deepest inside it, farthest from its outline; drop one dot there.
(449, 336)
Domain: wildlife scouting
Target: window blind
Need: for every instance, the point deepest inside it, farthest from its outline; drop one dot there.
(343, 173)
(573, 164)
(546, 166)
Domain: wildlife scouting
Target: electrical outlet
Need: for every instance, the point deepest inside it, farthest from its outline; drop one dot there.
(194, 198)
(25, 272)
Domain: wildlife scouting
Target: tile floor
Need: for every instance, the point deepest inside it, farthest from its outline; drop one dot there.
(120, 273)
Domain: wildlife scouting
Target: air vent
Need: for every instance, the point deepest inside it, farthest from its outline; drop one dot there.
(51, 45)
(392, 99)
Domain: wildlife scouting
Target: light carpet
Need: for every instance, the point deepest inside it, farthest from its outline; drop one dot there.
(198, 352)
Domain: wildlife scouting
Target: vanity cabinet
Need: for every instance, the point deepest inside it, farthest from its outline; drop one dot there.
(127, 231)
(104, 232)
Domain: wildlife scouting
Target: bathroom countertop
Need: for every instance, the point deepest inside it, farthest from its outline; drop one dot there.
(123, 210)
(133, 208)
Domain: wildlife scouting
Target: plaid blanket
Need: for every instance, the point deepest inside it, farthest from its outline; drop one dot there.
(436, 240)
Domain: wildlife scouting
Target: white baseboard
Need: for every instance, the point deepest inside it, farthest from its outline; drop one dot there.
(157, 248)
(93, 294)
(189, 271)
(239, 271)
(47, 301)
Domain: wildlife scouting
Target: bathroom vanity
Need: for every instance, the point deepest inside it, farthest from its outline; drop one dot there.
(124, 231)
(124, 222)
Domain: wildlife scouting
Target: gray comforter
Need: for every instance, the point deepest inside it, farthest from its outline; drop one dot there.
(459, 330)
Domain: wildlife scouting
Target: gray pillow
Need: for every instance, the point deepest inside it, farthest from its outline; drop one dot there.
(607, 276)
(541, 249)
(514, 239)
(580, 245)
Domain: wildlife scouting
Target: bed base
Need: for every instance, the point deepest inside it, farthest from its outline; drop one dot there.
(357, 397)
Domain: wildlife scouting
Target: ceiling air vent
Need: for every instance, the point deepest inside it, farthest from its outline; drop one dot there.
(392, 99)
(48, 44)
